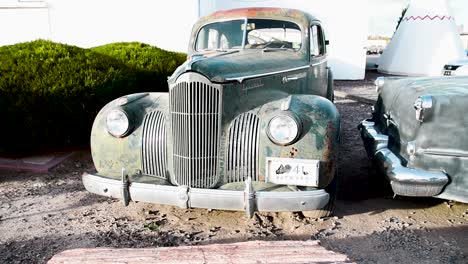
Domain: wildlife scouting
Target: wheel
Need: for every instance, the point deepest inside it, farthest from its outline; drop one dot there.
(326, 211)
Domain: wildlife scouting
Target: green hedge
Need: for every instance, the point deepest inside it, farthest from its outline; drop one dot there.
(50, 93)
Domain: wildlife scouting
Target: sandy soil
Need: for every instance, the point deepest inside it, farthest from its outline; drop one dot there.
(43, 214)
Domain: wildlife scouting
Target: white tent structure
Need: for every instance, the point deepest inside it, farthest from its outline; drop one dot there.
(425, 41)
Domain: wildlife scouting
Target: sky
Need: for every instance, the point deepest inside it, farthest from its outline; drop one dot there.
(384, 14)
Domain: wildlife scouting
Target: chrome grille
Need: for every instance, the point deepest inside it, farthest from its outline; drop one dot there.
(242, 151)
(195, 112)
(154, 152)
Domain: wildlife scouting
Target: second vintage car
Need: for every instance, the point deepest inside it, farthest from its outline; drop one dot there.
(248, 122)
(418, 135)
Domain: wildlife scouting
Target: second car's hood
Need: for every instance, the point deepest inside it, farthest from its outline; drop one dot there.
(238, 65)
(444, 126)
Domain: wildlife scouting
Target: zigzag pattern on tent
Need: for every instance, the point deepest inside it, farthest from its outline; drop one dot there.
(428, 17)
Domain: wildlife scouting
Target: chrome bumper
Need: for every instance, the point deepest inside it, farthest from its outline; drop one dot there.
(404, 181)
(185, 197)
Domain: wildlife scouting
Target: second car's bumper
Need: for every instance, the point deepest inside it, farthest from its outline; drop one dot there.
(404, 181)
(185, 197)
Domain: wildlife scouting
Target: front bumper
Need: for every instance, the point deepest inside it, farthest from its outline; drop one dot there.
(185, 197)
(403, 180)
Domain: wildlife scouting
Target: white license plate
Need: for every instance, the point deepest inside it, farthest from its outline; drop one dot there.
(287, 171)
(448, 73)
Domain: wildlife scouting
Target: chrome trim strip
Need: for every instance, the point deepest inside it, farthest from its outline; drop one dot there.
(320, 62)
(404, 181)
(186, 197)
(243, 78)
(445, 153)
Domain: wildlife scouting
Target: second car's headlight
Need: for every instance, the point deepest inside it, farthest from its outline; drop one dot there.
(284, 129)
(117, 123)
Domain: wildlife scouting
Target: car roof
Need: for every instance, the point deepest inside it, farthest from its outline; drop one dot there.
(295, 15)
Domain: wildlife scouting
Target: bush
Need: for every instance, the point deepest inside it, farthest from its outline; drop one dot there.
(143, 57)
(50, 93)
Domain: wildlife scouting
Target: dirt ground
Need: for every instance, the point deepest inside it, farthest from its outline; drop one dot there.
(43, 214)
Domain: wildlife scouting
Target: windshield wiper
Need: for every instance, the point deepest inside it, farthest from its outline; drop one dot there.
(277, 49)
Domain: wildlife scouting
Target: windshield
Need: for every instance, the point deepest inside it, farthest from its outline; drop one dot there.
(250, 34)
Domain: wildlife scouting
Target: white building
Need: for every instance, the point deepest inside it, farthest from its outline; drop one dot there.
(167, 24)
(88, 23)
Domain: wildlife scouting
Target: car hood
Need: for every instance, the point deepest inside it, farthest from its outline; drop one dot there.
(239, 65)
(445, 125)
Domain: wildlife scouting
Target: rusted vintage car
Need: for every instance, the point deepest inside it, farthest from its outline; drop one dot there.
(418, 135)
(248, 123)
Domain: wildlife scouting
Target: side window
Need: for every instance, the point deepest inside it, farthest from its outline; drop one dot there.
(211, 39)
(317, 43)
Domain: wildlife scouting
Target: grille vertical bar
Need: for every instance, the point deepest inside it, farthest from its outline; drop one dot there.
(154, 147)
(195, 114)
(242, 151)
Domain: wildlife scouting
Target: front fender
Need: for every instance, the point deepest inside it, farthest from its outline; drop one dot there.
(318, 140)
(111, 154)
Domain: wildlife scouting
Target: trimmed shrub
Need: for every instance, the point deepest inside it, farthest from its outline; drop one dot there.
(143, 57)
(50, 93)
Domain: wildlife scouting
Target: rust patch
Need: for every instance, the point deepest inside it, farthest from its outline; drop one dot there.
(329, 153)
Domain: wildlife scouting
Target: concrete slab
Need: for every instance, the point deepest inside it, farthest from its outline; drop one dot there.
(251, 252)
(34, 163)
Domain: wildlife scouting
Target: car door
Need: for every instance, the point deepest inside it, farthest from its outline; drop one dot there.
(318, 75)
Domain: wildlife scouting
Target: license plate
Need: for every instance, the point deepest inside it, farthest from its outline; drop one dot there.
(287, 171)
(448, 73)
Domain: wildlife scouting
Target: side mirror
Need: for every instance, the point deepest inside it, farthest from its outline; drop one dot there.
(327, 42)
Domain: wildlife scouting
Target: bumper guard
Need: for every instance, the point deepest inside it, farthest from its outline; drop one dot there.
(404, 181)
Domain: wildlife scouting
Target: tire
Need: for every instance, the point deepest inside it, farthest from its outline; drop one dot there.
(327, 210)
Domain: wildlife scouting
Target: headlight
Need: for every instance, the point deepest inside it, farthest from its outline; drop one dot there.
(283, 129)
(117, 123)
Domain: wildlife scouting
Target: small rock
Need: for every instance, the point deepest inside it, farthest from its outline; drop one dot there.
(215, 229)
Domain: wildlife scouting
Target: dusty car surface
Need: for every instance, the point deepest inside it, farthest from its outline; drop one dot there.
(248, 123)
(418, 134)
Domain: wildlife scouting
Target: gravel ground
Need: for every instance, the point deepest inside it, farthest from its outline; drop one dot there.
(43, 214)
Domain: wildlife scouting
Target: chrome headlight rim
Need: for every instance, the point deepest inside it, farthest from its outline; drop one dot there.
(294, 118)
(128, 126)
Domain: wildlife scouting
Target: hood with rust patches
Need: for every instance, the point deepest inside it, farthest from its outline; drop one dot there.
(221, 67)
